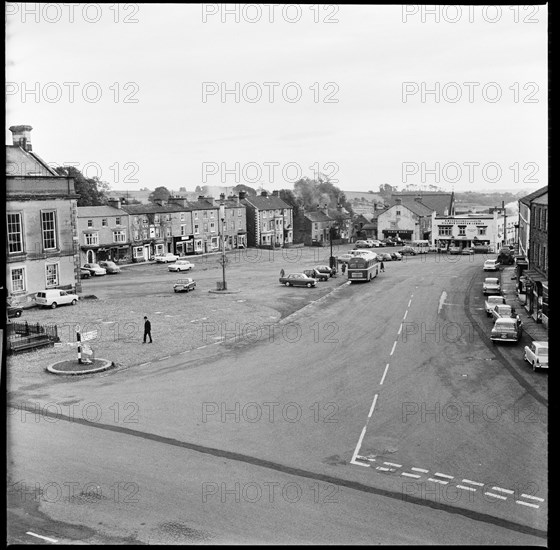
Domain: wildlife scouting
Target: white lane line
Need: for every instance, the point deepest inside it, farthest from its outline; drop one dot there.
(360, 457)
(443, 475)
(384, 374)
(477, 483)
(357, 449)
(394, 346)
(405, 314)
(164, 357)
(495, 495)
(531, 497)
(507, 491)
(438, 481)
(383, 469)
(466, 488)
(420, 470)
(400, 330)
(409, 302)
(372, 407)
(527, 504)
(359, 463)
(393, 464)
(416, 476)
(41, 536)
(441, 301)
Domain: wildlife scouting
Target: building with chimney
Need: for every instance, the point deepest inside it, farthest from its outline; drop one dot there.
(270, 220)
(408, 221)
(41, 223)
(104, 233)
(317, 227)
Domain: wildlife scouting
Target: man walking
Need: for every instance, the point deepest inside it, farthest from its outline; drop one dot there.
(147, 330)
(382, 266)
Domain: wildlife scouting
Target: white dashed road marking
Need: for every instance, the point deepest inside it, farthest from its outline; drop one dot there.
(477, 483)
(443, 475)
(531, 497)
(394, 346)
(507, 491)
(438, 481)
(420, 470)
(527, 504)
(416, 476)
(393, 464)
(495, 495)
(384, 374)
(466, 488)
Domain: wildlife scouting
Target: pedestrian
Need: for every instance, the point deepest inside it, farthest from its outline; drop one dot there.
(282, 273)
(147, 330)
(382, 266)
(343, 268)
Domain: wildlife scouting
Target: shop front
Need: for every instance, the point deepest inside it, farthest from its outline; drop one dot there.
(183, 245)
(536, 292)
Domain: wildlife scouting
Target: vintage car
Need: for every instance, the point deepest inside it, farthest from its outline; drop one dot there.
(407, 251)
(95, 270)
(54, 297)
(110, 267)
(503, 310)
(467, 251)
(84, 273)
(14, 311)
(454, 250)
(506, 329)
(491, 285)
(491, 265)
(184, 285)
(314, 274)
(298, 279)
(165, 258)
(363, 244)
(326, 269)
(492, 301)
(181, 265)
(537, 354)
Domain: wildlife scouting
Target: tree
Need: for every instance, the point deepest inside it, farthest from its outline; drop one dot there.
(242, 187)
(159, 194)
(92, 191)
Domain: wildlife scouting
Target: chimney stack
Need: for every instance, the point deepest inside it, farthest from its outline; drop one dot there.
(398, 200)
(418, 199)
(21, 136)
(276, 193)
(264, 193)
(242, 195)
(222, 196)
(115, 203)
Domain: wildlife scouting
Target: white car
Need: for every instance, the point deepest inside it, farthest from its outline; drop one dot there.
(375, 243)
(95, 270)
(491, 265)
(491, 285)
(181, 265)
(54, 297)
(492, 301)
(537, 354)
(165, 258)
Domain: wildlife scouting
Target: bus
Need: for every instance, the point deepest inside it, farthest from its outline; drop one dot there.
(363, 267)
(420, 246)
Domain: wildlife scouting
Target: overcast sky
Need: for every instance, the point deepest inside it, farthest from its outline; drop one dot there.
(147, 82)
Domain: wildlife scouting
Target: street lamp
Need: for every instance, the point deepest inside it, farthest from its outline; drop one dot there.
(223, 261)
(332, 259)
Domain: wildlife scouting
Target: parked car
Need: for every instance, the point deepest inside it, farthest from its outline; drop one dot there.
(389, 242)
(491, 285)
(95, 270)
(537, 354)
(384, 257)
(396, 256)
(454, 250)
(184, 285)
(481, 249)
(110, 267)
(343, 258)
(407, 251)
(165, 258)
(467, 251)
(492, 301)
(54, 297)
(363, 244)
(491, 265)
(181, 265)
(14, 311)
(374, 243)
(84, 273)
(326, 269)
(505, 256)
(314, 274)
(504, 310)
(298, 279)
(506, 329)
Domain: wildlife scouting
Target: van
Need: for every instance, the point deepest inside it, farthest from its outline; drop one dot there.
(420, 246)
(54, 297)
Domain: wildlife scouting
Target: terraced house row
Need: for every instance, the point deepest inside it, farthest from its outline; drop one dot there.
(49, 237)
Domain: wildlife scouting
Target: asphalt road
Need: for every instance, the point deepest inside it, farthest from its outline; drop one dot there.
(379, 413)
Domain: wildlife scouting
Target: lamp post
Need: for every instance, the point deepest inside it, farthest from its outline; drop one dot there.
(224, 259)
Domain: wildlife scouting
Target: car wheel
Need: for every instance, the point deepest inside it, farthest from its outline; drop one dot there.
(53, 305)
(74, 302)
(287, 283)
(309, 285)
(17, 314)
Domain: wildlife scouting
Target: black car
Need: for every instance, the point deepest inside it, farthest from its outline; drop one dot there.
(14, 311)
(84, 273)
(315, 274)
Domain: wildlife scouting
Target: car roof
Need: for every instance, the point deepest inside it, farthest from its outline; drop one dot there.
(491, 280)
(495, 298)
(506, 320)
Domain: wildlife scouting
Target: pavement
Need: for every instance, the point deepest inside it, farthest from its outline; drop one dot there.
(537, 331)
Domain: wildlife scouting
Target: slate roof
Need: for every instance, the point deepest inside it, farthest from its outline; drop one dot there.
(271, 202)
(96, 211)
(318, 216)
(535, 194)
(434, 200)
(20, 162)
